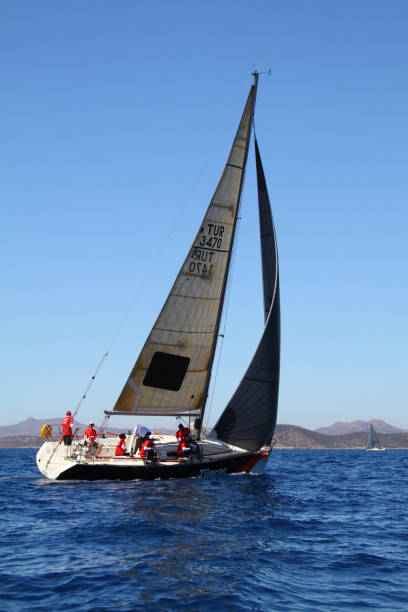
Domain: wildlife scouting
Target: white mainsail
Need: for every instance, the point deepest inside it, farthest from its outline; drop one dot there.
(170, 374)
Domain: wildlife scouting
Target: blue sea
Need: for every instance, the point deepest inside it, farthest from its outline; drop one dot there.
(320, 530)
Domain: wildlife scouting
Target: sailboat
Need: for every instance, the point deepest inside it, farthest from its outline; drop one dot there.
(171, 376)
(373, 443)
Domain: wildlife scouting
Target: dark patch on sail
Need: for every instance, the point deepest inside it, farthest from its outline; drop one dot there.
(225, 425)
(166, 371)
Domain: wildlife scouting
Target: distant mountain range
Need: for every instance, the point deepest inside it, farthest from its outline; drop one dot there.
(27, 434)
(31, 428)
(291, 436)
(339, 428)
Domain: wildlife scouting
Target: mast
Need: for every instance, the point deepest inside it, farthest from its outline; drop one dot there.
(199, 420)
(171, 374)
(249, 419)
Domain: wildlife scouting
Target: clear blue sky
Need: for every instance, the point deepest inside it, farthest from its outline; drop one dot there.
(116, 119)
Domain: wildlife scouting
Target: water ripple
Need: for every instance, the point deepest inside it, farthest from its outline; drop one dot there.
(320, 530)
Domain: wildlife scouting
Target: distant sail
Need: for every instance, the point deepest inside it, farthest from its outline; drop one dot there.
(170, 373)
(249, 419)
(372, 440)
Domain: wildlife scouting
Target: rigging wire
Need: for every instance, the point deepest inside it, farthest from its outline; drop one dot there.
(103, 425)
(85, 393)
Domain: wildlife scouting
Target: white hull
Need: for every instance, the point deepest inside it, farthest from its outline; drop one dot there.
(58, 462)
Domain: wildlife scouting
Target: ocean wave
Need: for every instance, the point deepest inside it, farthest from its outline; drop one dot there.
(312, 533)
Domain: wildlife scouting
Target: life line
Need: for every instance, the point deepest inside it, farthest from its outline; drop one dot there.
(46, 432)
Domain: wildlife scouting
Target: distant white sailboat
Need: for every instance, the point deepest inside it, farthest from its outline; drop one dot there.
(373, 443)
(171, 376)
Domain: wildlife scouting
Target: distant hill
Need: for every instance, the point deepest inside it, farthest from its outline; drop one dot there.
(27, 433)
(286, 436)
(340, 428)
(21, 442)
(291, 436)
(32, 427)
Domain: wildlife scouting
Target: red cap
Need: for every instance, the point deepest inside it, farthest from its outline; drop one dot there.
(68, 412)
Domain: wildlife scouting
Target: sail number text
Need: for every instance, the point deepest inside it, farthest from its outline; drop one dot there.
(203, 255)
(212, 238)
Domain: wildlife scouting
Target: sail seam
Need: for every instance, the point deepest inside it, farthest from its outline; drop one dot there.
(217, 221)
(202, 248)
(260, 380)
(194, 297)
(177, 331)
(229, 205)
(234, 166)
(208, 249)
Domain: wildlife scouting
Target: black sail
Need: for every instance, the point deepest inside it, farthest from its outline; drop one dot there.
(249, 419)
(372, 441)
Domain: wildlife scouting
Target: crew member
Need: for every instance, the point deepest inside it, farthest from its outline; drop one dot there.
(121, 446)
(141, 433)
(90, 436)
(67, 424)
(184, 447)
(147, 450)
(188, 446)
(182, 432)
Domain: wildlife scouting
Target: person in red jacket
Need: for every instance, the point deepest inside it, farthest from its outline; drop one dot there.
(184, 449)
(90, 436)
(188, 447)
(147, 450)
(182, 432)
(121, 446)
(67, 425)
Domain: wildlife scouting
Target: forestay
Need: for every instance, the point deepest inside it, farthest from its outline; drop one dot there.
(170, 374)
